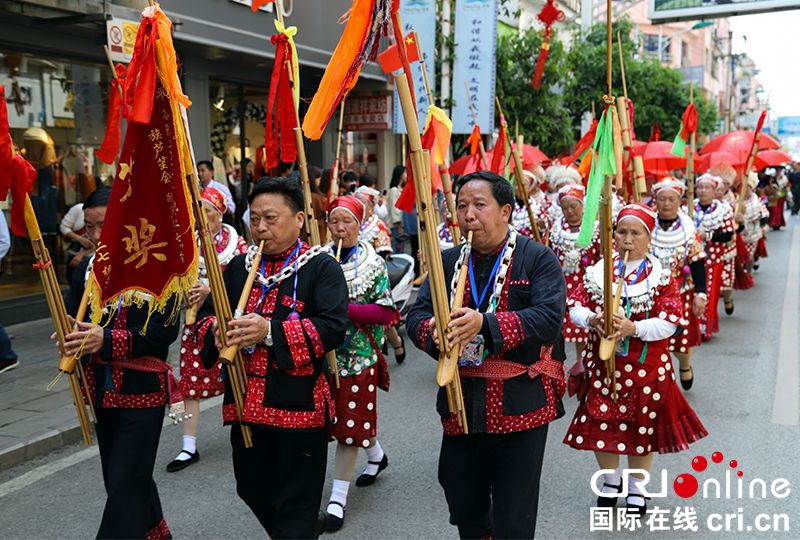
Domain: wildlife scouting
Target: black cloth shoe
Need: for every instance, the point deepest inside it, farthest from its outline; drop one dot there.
(178, 465)
(400, 357)
(333, 523)
(687, 383)
(729, 308)
(609, 502)
(369, 479)
(635, 508)
(8, 365)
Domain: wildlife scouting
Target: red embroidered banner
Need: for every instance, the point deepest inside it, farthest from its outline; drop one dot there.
(147, 243)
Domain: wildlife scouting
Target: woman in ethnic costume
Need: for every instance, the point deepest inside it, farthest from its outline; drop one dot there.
(362, 368)
(675, 245)
(540, 204)
(729, 199)
(776, 197)
(574, 260)
(756, 221)
(196, 382)
(375, 233)
(650, 413)
(713, 220)
(557, 177)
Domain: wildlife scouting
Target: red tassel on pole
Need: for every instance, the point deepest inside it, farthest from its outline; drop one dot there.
(108, 151)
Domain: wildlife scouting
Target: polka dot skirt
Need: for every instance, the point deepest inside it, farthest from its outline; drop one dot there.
(356, 408)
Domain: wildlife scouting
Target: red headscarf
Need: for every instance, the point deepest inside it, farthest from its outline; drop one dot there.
(576, 191)
(215, 198)
(349, 204)
(640, 212)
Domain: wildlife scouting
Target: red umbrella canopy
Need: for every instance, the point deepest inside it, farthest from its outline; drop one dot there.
(469, 164)
(770, 158)
(707, 161)
(739, 141)
(532, 155)
(637, 147)
(658, 158)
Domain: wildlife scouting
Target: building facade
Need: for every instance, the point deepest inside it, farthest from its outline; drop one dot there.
(57, 76)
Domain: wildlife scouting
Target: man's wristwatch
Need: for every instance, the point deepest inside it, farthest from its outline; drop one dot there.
(268, 337)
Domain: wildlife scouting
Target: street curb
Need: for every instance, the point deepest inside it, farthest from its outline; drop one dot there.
(38, 446)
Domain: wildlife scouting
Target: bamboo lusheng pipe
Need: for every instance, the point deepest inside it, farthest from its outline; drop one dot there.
(312, 227)
(449, 198)
(605, 200)
(331, 355)
(690, 162)
(748, 167)
(429, 240)
(523, 189)
(447, 185)
(219, 295)
(229, 352)
(448, 365)
(481, 147)
(58, 312)
(518, 172)
(71, 365)
(639, 181)
(333, 189)
(607, 346)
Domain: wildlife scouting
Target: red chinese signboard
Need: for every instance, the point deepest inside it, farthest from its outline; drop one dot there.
(368, 113)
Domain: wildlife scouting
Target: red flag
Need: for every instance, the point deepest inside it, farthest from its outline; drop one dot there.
(689, 121)
(474, 140)
(408, 197)
(390, 60)
(256, 4)
(110, 148)
(281, 119)
(6, 148)
(499, 156)
(23, 175)
(655, 132)
(15, 173)
(582, 146)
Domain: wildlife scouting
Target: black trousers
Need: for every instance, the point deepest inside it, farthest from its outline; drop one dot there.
(796, 198)
(128, 441)
(281, 478)
(491, 482)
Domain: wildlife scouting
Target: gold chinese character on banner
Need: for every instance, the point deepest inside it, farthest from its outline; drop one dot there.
(139, 243)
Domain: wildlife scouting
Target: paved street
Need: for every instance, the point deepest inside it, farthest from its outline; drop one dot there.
(746, 393)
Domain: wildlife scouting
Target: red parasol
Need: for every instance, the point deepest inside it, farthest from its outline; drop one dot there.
(531, 155)
(658, 158)
(771, 158)
(469, 164)
(707, 161)
(739, 141)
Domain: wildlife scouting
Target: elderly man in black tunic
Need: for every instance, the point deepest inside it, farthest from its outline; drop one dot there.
(296, 311)
(511, 367)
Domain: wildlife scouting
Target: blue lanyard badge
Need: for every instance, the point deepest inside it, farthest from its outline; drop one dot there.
(489, 284)
(265, 289)
(621, 272)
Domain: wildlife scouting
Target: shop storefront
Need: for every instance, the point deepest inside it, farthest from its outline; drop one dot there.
(54, 57)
